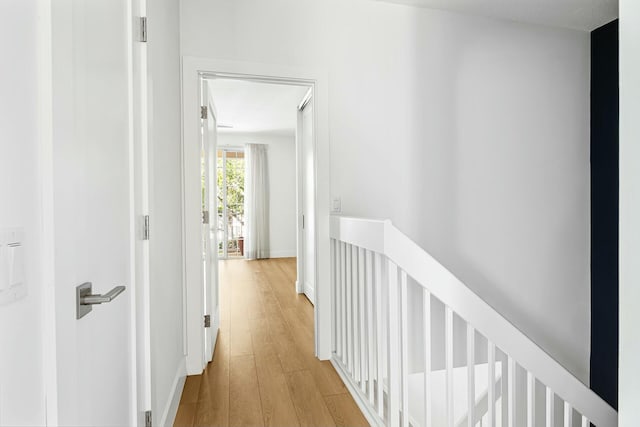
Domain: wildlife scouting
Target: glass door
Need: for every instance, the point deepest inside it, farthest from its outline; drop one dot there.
(230, 174)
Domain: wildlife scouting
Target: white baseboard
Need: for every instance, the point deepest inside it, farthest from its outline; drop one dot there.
(372, 418)
(309, 291)
(216, 326)
(299, 289)
(171, 407)
(283, 254)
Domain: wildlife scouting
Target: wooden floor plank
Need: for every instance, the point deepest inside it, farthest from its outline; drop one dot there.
(245, 301)
(344, 411)
(186, 414)
(310, 406)
(277, 406)
(191, 389)
(222, 350)
(240, 339)
(288, 352)
(245, 408)
(305, 310)
(326, 377)
(302, 335)
(245, 307)
(288, 268)
(283, 288)
(213, 405)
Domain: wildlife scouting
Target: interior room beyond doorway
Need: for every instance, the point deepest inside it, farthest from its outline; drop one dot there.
(263, 114)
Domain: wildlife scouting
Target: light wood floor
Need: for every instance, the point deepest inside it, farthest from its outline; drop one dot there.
(264, 372)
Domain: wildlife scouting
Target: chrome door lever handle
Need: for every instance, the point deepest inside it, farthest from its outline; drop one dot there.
(85, 299)
(99, 299)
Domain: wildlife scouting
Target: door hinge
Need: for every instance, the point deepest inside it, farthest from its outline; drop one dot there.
(147, 419)
(303, 222)
(204, 112)
(205, 217)
(145, 228)
(207, 320)
(142, 35)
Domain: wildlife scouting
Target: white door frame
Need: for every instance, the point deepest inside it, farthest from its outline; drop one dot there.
(193, 69)
(46, 172)
(140, 165)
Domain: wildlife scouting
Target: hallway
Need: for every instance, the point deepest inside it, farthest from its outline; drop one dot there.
(264, 371)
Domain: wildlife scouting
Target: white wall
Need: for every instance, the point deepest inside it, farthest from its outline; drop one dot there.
(629, 370)
(281, 158)
(471, 134)
(165, 245)
(22, 382)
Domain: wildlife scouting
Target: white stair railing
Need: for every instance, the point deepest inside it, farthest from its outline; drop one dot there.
(373, 267)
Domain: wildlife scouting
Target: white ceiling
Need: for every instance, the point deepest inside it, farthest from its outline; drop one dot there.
(583, 15)
(254, 107)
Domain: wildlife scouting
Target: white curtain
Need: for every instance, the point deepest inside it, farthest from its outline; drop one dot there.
(256, 202)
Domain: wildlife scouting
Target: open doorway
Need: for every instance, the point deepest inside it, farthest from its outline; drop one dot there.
(238, 137)
(265, 173)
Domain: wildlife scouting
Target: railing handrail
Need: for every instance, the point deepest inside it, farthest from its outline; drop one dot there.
(382, 237)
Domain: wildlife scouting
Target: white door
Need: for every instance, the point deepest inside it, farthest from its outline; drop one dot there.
(93, 212)
(308, 199)
(209, 223)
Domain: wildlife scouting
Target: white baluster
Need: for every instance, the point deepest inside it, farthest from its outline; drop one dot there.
(404, 352)
(371, 336)
(585, 422)
(362, 322)
(349, 303)
(336, 297)
(531, 400)
(356, 313)
(568, 414)
(380, 331)
(491, 395)
(340, 297)
(550, 412)
(426, 324)
(512, 391)
(394, 346)
(334, 283)
(449, 364)
(471, 375)
(504, 384)
(343, 301)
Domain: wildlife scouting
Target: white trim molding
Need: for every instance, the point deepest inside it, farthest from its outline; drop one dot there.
(171, 406)
(282, 254)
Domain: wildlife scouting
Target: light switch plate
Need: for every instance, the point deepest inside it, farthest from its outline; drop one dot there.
(336, 205)
(16, 264)
(12, 268)
(4, 267)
